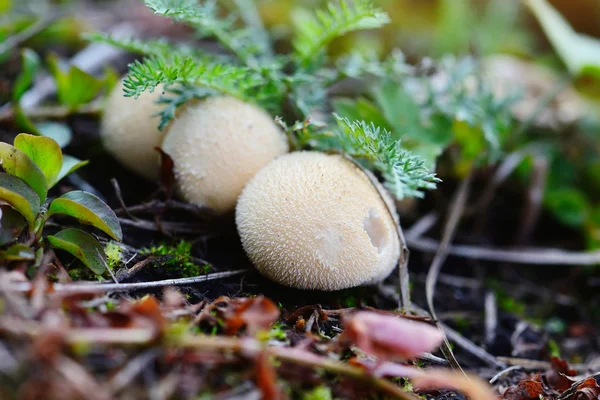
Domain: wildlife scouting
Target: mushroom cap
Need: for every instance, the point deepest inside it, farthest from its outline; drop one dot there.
(217, 145)
(130, 132)
(315, 221)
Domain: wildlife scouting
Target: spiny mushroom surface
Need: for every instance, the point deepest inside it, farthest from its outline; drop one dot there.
(217, 145)
(315, 221)
(130, 132)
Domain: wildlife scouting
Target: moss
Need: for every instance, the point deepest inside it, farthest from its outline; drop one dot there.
(176, 258)
(114, 254)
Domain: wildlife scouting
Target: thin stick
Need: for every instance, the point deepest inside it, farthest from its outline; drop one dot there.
(534, 256)
(126, 287)
(456, 209)
(466, 344)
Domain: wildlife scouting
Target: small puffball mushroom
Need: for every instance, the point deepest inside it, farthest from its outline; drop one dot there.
(130, 132)
(315, 221)
(217, 145)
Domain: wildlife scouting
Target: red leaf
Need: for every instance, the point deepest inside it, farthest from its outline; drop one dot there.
(525, 390)
(558, 377)
(252, 314)
(588, 390)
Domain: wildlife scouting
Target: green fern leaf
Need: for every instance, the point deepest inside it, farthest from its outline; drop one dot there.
(204, 17)
(315, 32)
(405, 174)
(232, 80)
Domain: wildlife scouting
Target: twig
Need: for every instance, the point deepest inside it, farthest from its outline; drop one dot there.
(503, 372)
(420, 227)
(126, 287)
(112, 274)
(536, 256)
(171, 227)
(456, 209)
(491, 317)
(158, 206)
(466, 344)
(122, 378)
(535, 195)
(119, 194)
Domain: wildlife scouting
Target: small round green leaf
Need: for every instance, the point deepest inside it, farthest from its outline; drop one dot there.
(17, 163)
(11, 224)
(44, 152)
(17, 252)
(57, 131)
(88, 209)
(70, 165)
(81, 245)
(20, 196)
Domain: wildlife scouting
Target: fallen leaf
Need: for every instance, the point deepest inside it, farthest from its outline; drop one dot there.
(390, 337)
(588, 390)
(525, 390)
(558, 377)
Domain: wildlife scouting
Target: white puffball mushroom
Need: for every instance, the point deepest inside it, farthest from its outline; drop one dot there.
(217, 145)
(315, 221)
(130, 132)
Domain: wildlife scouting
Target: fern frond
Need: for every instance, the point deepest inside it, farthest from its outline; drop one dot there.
(153, 47)
(405, 174)
(204, 17)
(176, 96)
(358, 65)
(315, 32)
(232, 80)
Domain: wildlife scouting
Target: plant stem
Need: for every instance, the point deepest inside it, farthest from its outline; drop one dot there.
(55, 112)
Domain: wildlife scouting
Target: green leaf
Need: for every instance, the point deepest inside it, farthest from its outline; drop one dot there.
(88, 209)
(70, 165)
(44, 152)
(577, 51)
(405, 174)
(17, 163)
(11, 224)
(60, 132)
(404, 114)
(5, 6)
(236, 81)
(206, 19)
(20, 196)
(29, 66)
(315, 32)
(81, 245)
(17, 252)
(23, 122)
(570, 206)
(76, 87)
(360, 109)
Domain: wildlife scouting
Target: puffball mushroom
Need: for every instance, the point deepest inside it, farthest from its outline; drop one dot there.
(217, 145)
(315, 221)
(130, 132)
